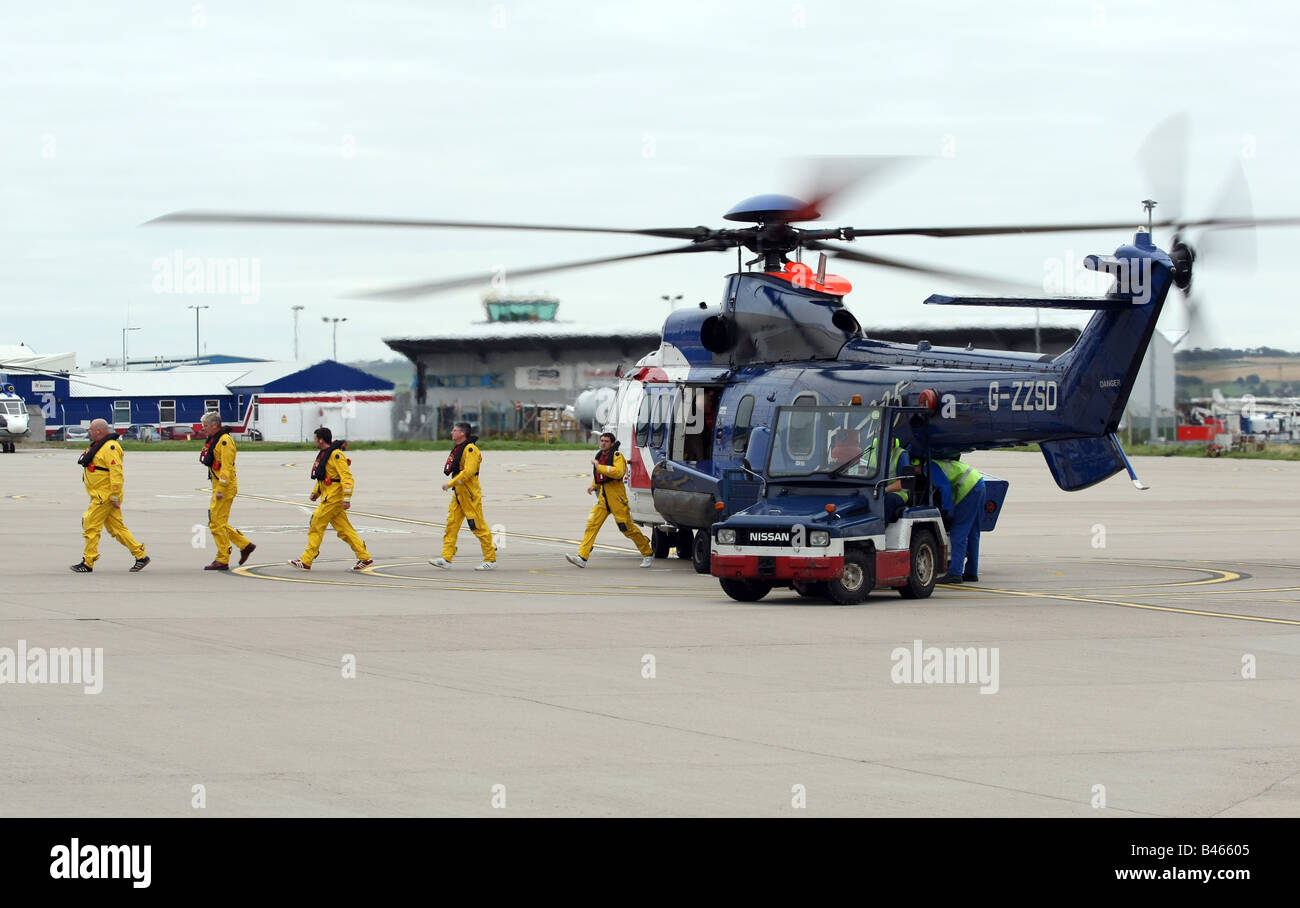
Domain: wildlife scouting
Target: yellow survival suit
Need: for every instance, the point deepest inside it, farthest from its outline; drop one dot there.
(334, 489)
(462, 466)
(218, 456)
(611, 498)
(102, 472)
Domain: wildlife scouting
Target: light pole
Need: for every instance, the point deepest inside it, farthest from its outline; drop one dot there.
(671, 301)
(196, 330)
(124, 330)
(336, 333)
(296, 310)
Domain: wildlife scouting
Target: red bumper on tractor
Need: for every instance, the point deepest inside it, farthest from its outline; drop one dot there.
(892, 568)
(782, 567)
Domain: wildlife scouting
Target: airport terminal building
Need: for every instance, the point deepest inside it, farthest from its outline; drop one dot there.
(510, 374)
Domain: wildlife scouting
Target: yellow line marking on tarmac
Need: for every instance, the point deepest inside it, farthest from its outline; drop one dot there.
(1274, 589)
(1137, 605)
(1222, 576)
(431, 523)
(254, 572)
(480, 584)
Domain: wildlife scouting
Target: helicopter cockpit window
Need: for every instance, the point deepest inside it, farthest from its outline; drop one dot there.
(11, 407)
(659, 415)
(740, 434)
(643, 422)
(830, 442)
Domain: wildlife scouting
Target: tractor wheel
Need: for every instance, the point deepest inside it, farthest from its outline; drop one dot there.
(925, 566)
(746, 590)
(855, 583)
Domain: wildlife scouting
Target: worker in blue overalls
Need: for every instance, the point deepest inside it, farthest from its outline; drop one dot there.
(968, 497)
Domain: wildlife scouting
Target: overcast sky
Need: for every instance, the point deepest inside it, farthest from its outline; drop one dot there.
(626, 115)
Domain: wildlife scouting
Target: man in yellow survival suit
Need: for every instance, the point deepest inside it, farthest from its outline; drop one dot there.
(334, 489)
(608, 468)
(102, 473)
(466, 499)
(218, 455)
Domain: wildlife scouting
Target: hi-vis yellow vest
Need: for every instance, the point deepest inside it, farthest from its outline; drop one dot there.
(961, 477)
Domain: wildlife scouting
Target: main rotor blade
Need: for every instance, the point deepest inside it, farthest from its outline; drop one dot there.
(867, 258)
(320, 220)
(411, 291)
(33, 370)
(1000, 230)
(1219, 223)
(53, 373)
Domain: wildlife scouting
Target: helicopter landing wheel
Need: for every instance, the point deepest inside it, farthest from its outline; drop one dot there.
(685, 543)
(701, 558)
(661, 540)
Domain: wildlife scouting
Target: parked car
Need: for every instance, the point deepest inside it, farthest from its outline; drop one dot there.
(180, 432)
(139, 432)
(75, 433)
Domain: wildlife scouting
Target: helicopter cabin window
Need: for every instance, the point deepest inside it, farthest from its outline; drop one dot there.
(121, 412)
(661, 413)
(740, 434)
(167, 411)
(643, 422)
(800, 439)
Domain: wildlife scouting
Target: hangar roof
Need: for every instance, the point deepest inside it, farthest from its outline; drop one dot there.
(175, 383)
(507, 337)
(218, 380)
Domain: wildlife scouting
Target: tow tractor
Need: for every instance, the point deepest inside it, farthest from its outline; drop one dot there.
(826, 523)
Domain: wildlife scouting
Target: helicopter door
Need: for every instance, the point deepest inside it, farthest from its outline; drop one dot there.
(649, 435)
(740, 489)
(695, 411)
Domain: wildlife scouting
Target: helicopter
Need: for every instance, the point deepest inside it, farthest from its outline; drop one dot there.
(781, 336)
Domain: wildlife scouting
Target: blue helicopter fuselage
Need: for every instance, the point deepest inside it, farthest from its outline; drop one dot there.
(686, 411)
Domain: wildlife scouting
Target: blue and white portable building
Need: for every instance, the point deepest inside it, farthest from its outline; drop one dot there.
(280, 401)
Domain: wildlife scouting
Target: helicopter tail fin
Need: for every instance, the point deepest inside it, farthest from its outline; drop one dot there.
(1101, 367)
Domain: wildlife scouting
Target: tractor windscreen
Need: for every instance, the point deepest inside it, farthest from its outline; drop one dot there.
(826, 441)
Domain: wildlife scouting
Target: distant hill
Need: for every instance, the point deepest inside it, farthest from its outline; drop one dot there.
(398, 371)
(1262, 371)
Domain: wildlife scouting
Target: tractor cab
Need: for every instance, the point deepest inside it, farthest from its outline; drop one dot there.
(842, 508)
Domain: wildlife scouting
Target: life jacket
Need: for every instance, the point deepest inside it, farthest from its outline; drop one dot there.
(87, 458)
(606, 459)
(322, 459)
(452, 467)
(207, 456)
